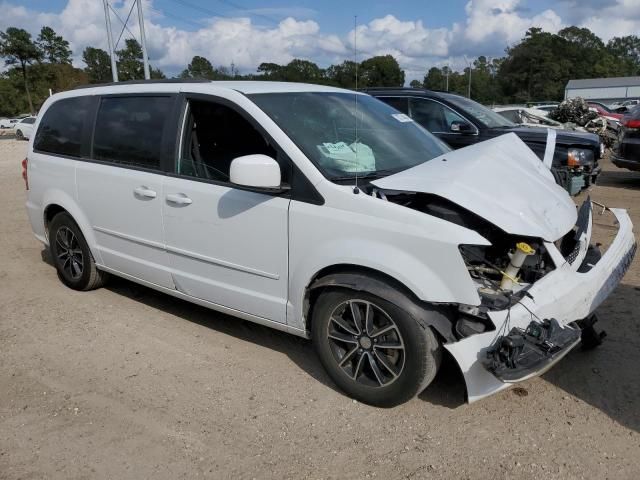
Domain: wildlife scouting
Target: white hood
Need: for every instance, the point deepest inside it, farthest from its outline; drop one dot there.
(501, 180)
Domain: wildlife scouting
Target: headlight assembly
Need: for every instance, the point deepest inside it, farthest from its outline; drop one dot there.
(579, 157)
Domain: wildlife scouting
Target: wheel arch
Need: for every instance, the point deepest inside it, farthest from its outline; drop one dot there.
(361, 278)
(58, 202)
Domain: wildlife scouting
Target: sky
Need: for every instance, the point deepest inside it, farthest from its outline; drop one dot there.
(419, 33)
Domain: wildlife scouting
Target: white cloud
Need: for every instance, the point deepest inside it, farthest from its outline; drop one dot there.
(489, 26)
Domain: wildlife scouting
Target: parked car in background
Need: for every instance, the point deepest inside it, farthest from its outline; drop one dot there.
(531, 117)
(546, 107)
(8, 122)
(612, 118)
(604, 111)
(460, 122)
(626, 152)
(296, 207)
(24, 128)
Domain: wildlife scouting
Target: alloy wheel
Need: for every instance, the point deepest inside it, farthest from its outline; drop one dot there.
(69, 254)
(366, 343)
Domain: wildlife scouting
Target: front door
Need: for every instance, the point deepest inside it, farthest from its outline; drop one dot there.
(225, 245)
(440, 120)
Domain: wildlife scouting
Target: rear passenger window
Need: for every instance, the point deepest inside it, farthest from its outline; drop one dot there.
(60, 129)
(129, 130)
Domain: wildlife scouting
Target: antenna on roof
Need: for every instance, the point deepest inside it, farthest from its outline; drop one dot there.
(355, 96)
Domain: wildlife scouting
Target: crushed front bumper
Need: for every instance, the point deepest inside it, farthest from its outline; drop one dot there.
(564, 294)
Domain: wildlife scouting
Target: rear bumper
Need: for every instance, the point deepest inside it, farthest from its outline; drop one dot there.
(564, 294)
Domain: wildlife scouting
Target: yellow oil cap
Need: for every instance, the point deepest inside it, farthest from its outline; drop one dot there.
(525, 248)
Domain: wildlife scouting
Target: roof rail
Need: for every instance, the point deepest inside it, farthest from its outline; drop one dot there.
(144, 82)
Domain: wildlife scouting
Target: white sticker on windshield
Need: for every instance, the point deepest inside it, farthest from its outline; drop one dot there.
(401, 117)
(339, 148)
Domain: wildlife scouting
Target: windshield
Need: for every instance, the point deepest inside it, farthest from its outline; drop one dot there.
(487, 117)
(377, 141)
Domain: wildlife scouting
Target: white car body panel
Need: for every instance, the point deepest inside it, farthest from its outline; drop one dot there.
(501, 180)
(254, 256)
(129, 235)
(228, 246)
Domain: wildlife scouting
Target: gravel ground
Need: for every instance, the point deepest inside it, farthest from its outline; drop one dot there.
(124, 382)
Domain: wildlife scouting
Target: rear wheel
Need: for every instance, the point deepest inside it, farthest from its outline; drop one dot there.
(71, 255)
(372, 349)
(19, 135)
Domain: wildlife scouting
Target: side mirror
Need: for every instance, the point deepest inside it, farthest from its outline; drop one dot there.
(258, 171)
(461, 127)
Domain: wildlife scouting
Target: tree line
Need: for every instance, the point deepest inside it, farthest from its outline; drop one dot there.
(536, 68)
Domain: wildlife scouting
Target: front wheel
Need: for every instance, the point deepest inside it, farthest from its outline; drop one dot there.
(372, 349)
(19, 135)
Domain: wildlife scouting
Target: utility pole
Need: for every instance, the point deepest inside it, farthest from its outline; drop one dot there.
(107, 19)
(469, 87)
(447, 75)
(143, 41)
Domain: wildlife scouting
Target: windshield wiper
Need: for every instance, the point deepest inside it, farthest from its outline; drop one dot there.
(376, 174)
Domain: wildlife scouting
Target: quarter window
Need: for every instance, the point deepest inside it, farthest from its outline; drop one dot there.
(129, 130)
(60, 130)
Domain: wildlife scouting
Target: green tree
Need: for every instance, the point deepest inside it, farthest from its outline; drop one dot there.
(53, 47)
(130, 66)
(342, 75)
(298, 70)
(270, 71)
(381, 71)
(435, 79)
(98, 64)
(199, 67)
(627, 50)
(415, 84)
(17, 47)
(537, 68)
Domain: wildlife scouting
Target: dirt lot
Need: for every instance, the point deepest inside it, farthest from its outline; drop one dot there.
(125, 382)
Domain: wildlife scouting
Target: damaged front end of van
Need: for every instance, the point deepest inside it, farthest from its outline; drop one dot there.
(539, 277)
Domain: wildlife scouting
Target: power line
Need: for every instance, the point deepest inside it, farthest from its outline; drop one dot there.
(125, 24)
(176, 17)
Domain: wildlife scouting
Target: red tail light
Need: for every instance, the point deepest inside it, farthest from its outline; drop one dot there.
(25, 175)
(631, 123)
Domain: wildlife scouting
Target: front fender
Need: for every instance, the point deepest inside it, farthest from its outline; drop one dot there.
(426, 315)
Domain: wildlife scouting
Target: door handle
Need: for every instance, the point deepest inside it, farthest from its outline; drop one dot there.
(179, 199)
(145, 192)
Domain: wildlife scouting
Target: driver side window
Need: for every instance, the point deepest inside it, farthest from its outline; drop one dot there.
(214, 135)
(434, 116)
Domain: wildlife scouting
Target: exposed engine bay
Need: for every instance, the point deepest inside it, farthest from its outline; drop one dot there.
(502, 271)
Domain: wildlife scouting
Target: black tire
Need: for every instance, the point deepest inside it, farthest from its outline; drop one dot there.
(415, 366)
(71, 255)
(19, 135)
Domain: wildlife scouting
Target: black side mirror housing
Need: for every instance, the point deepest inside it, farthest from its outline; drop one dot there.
(460, 127)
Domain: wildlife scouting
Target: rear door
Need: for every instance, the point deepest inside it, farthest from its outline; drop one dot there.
(120, 187)
(226, 245)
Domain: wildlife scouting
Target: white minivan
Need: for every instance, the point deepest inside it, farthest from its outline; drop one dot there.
(327, 214)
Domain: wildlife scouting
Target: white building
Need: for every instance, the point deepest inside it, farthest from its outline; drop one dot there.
(604, 89)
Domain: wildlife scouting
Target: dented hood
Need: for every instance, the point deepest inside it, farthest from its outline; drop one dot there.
(501, 180)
